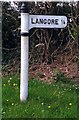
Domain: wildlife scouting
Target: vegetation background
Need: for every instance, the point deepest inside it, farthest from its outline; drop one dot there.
(52, 47)
(53, 59)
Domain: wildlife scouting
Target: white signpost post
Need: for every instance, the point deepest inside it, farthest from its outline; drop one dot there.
(28, 22)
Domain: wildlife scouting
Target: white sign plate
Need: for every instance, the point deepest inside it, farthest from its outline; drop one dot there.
(47, 21)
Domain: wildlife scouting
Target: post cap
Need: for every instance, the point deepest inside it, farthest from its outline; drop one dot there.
(24, 8)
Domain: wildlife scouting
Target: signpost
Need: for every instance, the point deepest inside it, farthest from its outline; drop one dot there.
(47, 21)
(24, 52)
(28, 22)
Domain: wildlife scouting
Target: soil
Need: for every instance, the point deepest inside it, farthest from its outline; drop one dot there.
(47, 73)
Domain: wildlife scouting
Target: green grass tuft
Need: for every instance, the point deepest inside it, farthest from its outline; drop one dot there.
(58, 100)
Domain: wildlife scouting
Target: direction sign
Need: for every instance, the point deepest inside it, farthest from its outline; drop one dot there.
(47, 21)
(28, 22)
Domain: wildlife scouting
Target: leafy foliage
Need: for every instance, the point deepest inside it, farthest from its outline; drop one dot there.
(52, 42)
(10, 25)
(45, 45)
(9, 30)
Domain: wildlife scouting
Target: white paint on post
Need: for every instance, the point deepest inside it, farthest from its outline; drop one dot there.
(24, 57)
(24, 22)
(24, 69)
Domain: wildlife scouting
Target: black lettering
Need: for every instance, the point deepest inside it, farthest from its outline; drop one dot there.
(41, 21)
(49, 21)
(32, 21)
(45, 21)
(52, 21)
(56, 21)
(37, 20)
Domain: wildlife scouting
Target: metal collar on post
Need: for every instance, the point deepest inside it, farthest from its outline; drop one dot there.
(24, 19)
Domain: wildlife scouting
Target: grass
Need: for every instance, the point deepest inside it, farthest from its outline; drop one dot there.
(0, 98)
(58, 100)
